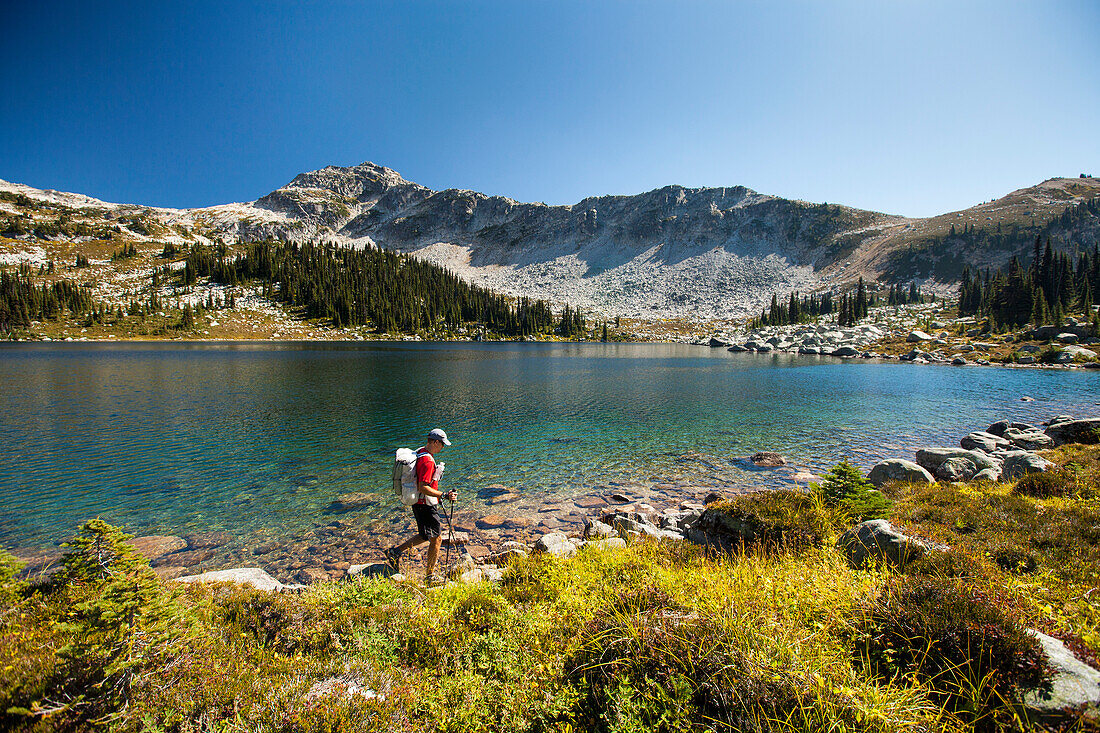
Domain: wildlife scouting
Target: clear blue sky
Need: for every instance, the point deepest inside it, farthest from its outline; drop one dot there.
(903, 106)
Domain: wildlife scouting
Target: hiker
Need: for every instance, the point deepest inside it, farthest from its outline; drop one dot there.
(426, 508)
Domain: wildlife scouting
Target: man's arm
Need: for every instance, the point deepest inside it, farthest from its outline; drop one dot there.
(426, 488)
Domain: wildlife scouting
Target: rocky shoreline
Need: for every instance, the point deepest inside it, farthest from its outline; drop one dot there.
(349, 545)
(958, 342)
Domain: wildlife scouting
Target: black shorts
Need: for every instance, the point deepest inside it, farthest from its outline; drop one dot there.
(427, 520)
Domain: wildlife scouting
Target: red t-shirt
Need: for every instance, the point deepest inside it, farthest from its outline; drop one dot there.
(425, 470)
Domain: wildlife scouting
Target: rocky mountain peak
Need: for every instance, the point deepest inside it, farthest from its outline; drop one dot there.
(361, 181)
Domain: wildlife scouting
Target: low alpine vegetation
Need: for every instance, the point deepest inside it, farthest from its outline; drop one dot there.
(777, 635)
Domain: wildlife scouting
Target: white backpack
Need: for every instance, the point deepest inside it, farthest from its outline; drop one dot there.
(404, 476)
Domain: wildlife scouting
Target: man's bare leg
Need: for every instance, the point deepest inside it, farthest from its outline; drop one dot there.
(411, 543)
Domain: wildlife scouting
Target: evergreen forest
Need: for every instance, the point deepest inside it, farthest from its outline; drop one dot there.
(849, 307)
(378, 288)
(22, 300)
(1055, 285)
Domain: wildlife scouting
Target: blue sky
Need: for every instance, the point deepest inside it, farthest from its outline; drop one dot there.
(902, 106)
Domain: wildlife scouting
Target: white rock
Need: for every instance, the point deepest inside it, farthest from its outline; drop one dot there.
(254, 577)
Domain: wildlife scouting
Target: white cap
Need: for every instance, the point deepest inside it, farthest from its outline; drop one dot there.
(439, 435)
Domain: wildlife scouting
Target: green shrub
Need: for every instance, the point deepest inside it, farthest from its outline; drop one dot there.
(951, 563)
(1050, 483)
(855, 499)
(955, 639)
(769, 520)
(482, 610)
(11, 587)
(647, 664)
(123, 628)
(1015, 559)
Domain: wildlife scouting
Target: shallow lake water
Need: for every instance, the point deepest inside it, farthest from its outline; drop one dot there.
(259, 438)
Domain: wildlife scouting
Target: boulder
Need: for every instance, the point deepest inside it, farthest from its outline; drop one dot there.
(351, 502)
(1028, 439)
(1075, 431)
(1080, 352)
(597, 530)
(1066, 338)
(998, 428)
(153, 546)
(737, 349)
(556, 544)
(767, 459)
(934, 460)
(959, 361)
(1020, 463)
(716, 342)
(987, 474)
(1026, 360)
(877, 542)
(1074, 689)
(917, 336)
(957, 468)
(846, 351)
(983, 441)
(254, 577)
(899, 469)
(504, 557)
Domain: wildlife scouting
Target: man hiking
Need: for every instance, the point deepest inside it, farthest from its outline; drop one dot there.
(426, 508)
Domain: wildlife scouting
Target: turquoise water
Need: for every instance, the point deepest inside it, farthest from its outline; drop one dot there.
(256, 437)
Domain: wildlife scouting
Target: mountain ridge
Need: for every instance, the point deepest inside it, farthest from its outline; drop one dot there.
(674, 251)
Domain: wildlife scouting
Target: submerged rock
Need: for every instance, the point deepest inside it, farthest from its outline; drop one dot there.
(208, 540)
(767, 459)
(351, 502)
(152, 547)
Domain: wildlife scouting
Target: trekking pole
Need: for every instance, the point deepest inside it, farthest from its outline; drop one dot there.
(450, 532)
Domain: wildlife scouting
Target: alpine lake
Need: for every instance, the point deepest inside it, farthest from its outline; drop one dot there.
(257, 439)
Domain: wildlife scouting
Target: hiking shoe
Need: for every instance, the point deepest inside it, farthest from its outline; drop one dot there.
(393, 558)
